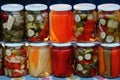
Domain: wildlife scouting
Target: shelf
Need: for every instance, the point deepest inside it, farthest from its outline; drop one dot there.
(55, 78)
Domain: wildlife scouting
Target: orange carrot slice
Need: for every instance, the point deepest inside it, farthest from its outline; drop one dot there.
(101, 60)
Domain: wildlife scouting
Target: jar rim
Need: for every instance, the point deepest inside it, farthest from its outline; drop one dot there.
(12, 7)
(36, 7)
(110, 44)
(14, 44)
(61, 44)
(60, 7)
(84, 6)
(86, 44)
(39, 44)
(109, 7)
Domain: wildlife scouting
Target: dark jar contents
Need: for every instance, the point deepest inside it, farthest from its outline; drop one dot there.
(86, 60)
(62, 60)
(85, 19)
(1, 61)
(12, 23)
(15, 60)
(109, 60)
(36, 22)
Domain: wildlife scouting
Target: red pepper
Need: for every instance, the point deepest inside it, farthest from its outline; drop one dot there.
(93, 72)
(80, 37)
(89, 29)
(22, 51)
(1, 71)
(44, 32)
(33, 39)
(16, 74)
(4, 16)
(115, 62)
(16, 66)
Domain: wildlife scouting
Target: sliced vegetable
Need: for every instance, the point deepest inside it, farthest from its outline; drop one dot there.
(39, 18)
(83, 16)
(103, 35)
(112, 24)
(90, 17)
(87, 56)
(80, 58)
(4, 16)
(10, 22)
(79, 67)
(30, 17)
(8, 52)
(77, 18)
(30, 33)
(102, 21)
(109, 38)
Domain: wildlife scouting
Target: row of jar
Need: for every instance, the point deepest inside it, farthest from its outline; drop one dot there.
(60, 60)
(83, 25)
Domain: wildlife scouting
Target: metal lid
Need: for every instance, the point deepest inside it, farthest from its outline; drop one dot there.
(14, 44)
(61, 44)
(60, 7)
(110, 44)
(84, 6)
(39, 44)
(86, 44)
(12, 7)
(36, 7)
(108, 7)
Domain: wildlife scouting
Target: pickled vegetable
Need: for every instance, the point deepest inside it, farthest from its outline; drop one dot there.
(108, 23)
(109, 63)
(15, 61)
(12, 23)
(86, 61)
(62, 23)
(36, 22)
(85, 22)
(62, 61)
(39, 61)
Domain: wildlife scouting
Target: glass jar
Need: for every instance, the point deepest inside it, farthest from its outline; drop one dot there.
(39, 60)
(109, 60)
(15, 60)
(85, 18)
(108, 28)
(86, 59)
(61, 23)
(12, 22)
(62, 59)
(36, 22)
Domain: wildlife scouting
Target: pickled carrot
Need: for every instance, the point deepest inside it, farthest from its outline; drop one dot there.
(115, 64)
(61, 25)
(101, 61)
(34, 53)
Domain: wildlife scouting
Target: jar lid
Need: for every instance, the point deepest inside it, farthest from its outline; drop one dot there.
(61, 44)
(110, 44)
(60, 7)
(84, 6)
(108, 7)
(36, 7)
(14, 44)
(86, 44)
(39, 44)
(12, 7)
